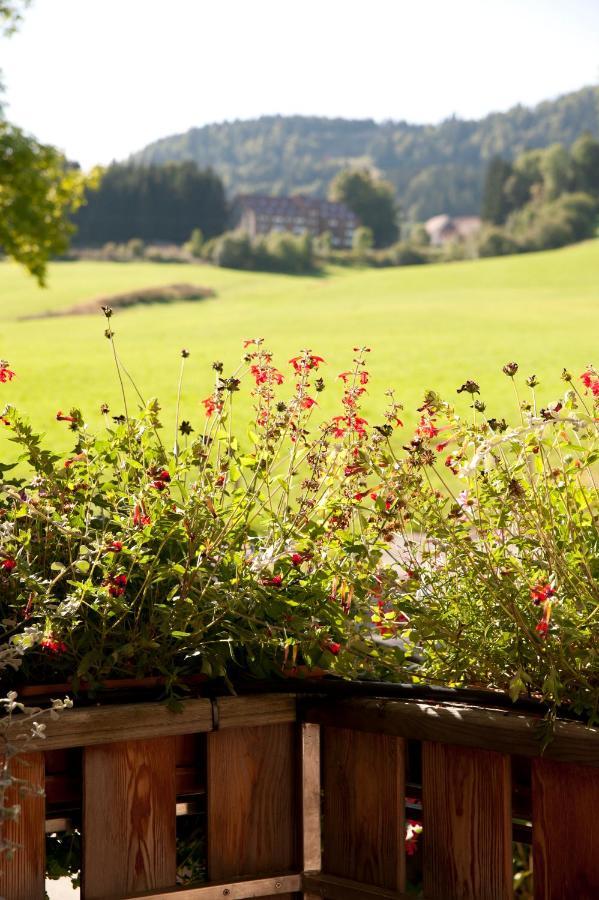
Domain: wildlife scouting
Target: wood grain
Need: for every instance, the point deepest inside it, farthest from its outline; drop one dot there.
(311, 789)
(128, 818)
(467, 726)
(261, 709)
(22, 878)
(467, 825)
(363, 807)
(124, 722)
(565, 831)
(232, 890)
(332, 888)
(253, 807)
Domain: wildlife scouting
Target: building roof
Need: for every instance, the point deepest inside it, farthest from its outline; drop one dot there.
(294, 206)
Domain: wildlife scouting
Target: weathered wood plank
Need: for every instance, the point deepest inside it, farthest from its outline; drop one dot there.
(363, 807)
(310, 785)
(467, 823)
(128, 818)
(243, 889)
(88, 726)
(22, 878)
(253, 809)
(332, 888)
(261, 709)
(490, 729)
(565, 831)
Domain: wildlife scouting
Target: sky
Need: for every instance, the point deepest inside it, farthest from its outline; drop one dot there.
(103, 78)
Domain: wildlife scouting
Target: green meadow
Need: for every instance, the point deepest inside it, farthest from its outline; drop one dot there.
(428, 327)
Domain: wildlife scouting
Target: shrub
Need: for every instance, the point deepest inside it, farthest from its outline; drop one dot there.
(463, 553)
(496, 242)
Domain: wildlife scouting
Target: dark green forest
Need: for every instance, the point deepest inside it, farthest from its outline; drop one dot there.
(152, 203)
(434, 168)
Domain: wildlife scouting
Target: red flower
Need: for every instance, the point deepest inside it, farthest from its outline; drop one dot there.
(440, 447)
(353, 470)
(275, 581)
(427, 428)
(344, 376)
(7, 565)
(360, 495)
(306, 362)
(116, 585)
(53, 646)
(158, 484)
(590, 379)
(542, 628)
(115, 547)
(363, 377)
(540, 593)
(6, 374)
(60, 417)
(249, 341)
(334, 647)
(266, 374)
(139, 517)
(297, 559)
(211, 405)
(307, 402)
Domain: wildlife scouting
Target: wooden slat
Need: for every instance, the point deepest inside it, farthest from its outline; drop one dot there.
(22, 878)
(262, 709)
(363, 807)
(489, 729)
(310, 784)
(565, 831)
(467, 826)
(332, 888)
(253, 808)
(129, 818)
(124, 722)
(275, 885)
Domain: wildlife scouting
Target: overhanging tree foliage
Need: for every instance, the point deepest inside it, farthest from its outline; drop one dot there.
(38, 188)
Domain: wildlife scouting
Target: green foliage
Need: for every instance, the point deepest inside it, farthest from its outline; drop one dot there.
(38, 190)
(496, 207)
(154, 203)
(276, 252)
(463, 552)
(371, 199)
(195, 243)
(539, 226)
(433, 169)
(495, 242)
(362, 241)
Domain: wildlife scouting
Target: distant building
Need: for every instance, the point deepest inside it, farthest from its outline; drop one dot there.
(258, 214)
(443, 229)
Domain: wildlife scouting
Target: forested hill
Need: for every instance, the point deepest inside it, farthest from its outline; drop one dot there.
(435, 168)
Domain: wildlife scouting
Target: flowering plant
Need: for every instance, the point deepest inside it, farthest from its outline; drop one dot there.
(464, 553)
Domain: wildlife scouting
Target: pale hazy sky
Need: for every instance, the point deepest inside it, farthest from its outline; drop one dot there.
(102, 78)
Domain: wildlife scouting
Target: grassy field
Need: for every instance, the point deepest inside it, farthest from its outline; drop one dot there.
(430, 326)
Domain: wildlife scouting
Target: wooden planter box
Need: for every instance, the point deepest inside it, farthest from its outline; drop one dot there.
(307, 798)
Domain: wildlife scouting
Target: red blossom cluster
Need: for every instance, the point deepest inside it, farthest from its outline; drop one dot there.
(264, 373)
(305, 362)
(160, 480)
(7, 565)
(116, 585)
(6, 374)
(590, 379)
(541, 594)
(211, 405)
(51, 645)
(139, 516)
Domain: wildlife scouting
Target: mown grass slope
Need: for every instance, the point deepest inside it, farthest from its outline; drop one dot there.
(429, 326)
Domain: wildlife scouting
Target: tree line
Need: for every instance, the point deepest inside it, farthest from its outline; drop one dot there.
(433, 168)
(545, 198)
